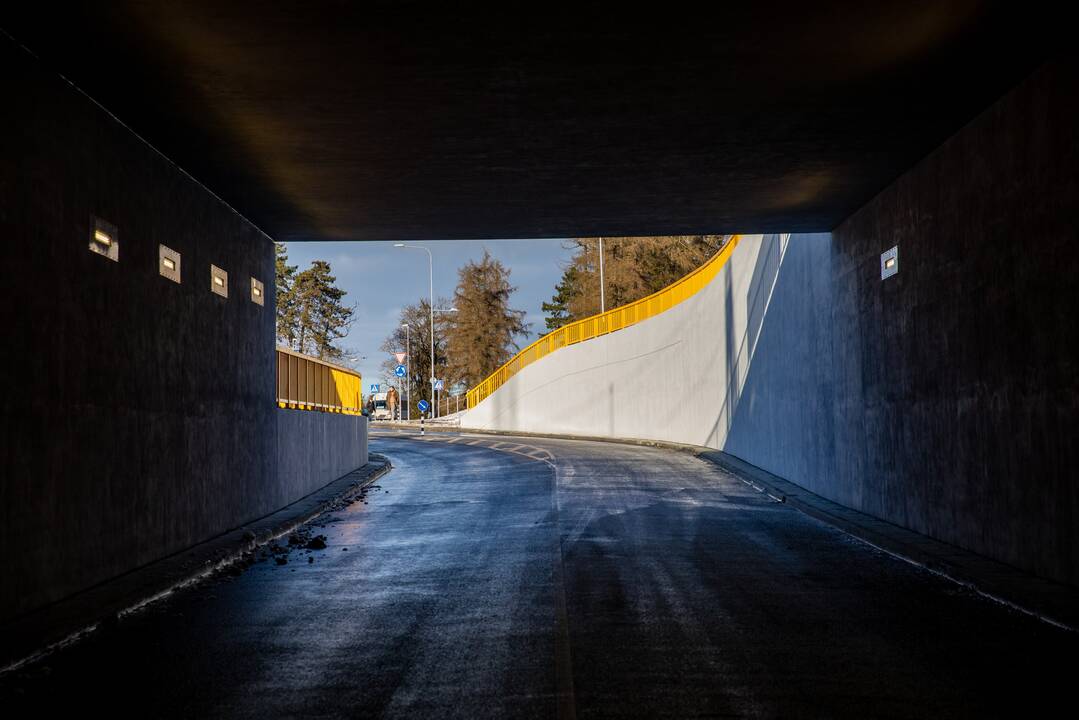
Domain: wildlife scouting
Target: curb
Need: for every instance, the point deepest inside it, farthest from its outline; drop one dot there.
(41, 632)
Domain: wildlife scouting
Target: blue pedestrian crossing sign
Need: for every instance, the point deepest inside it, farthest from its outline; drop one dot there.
(374, 387)
(399, 371)
(424, 406)
(438, 385)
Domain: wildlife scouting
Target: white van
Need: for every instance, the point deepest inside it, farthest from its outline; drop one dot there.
(382, 409)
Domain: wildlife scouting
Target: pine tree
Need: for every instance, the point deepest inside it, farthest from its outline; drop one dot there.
(286, 299)
(322, 316)
(558, 310)
(481, 337)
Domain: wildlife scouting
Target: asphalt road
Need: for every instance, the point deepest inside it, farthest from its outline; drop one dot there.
(560, 579)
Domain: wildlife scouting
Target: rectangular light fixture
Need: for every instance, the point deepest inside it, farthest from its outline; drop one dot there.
(219, 281)
(168, 263)
(104, 239)
(257, 291)
(889, 262)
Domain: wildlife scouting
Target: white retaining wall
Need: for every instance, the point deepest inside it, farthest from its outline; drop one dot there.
(676, 377)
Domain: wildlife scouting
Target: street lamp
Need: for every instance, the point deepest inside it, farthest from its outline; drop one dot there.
(431, 288)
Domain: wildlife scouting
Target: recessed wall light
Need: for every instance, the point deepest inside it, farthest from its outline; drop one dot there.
(257, 292)
(219, 281)
(104, 239)
(168, 263)
(889, 262)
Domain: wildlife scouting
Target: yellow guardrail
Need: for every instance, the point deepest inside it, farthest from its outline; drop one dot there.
(308, 383)
(607, 322)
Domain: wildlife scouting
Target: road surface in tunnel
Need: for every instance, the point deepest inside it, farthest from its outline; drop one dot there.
(502, 577)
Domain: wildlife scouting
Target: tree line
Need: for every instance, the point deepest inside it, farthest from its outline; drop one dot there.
(633, 268)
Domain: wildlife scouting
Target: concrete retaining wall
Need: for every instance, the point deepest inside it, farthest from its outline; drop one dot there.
(944, 399)
(138, 415)
(315, 448)
(674, 377)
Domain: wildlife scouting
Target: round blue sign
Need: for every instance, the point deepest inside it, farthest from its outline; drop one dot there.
(399, 371)
(424, 406)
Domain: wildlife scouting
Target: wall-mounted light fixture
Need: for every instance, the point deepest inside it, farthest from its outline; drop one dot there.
(219, 281)
(889, 263)
(168, 263)
(104, 239)
(257, 292)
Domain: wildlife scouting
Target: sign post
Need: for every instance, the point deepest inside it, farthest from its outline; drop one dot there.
(399, 371)
(424, 406)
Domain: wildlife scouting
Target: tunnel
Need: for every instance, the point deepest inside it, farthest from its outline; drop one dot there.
(887, 345)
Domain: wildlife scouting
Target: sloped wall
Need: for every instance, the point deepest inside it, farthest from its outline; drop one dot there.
(676, 376)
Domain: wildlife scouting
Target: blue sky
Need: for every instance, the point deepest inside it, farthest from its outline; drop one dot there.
(380, 279)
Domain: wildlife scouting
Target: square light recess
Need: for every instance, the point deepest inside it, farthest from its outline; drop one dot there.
(168, 263)
(889, 263)
(104, 238)
(257, 292)
(219, 281)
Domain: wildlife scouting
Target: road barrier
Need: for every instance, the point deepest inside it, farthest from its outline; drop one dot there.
(308, 383)
(607, 322)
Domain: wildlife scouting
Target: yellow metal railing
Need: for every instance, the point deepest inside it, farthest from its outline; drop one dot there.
(307, 383)
(608, 322)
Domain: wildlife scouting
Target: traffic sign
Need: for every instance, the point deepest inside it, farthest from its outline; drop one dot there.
(374, 387)
(399, 371)
(424, 406)
(400, 358)
(438, 385)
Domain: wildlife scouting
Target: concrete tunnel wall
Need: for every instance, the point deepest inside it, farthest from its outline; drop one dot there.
(944, 399)
(139, 415)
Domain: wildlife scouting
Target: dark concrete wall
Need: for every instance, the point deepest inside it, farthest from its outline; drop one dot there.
(138, 415)
(946, 398)
(314, 448)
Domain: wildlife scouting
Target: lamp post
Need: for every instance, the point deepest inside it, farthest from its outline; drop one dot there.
(431, 288)
(408, 373)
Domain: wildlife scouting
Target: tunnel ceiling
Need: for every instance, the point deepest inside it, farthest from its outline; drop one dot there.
(405, 120)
